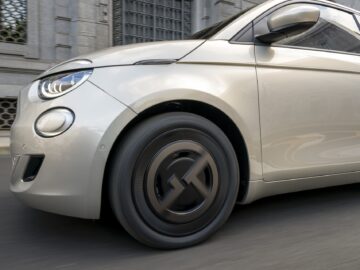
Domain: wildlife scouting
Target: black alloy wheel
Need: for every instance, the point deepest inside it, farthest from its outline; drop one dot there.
(174, 180)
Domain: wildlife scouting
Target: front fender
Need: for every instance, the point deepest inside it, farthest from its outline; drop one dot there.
(231, 89)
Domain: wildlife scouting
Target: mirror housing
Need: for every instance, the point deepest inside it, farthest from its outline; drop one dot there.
(290, 21)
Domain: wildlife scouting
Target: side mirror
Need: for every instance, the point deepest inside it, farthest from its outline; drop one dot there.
(290, 21)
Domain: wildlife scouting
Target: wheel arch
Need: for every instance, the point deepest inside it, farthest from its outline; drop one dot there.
(203, 109)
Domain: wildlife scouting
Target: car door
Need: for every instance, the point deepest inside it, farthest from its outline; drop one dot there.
(309, 94)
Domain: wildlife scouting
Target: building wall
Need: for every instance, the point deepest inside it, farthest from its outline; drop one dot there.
(57, 31)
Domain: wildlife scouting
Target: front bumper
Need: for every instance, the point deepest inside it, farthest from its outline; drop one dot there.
(70, 178)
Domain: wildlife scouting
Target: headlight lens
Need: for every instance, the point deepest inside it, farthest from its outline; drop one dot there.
(58, 85)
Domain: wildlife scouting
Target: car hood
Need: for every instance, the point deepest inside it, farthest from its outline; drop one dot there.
(128, 55)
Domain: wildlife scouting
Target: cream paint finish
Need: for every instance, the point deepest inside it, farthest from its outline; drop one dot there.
(293, 14)
(128, 55)
(218, 73)
(310, 112)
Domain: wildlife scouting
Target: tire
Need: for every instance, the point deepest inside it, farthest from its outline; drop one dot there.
(174, 180)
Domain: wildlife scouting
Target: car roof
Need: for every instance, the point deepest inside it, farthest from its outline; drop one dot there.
(337, 5)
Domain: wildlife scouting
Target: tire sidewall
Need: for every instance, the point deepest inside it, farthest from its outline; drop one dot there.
(123, 166)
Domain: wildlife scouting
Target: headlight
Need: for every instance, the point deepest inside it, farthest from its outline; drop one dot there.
(58, 85)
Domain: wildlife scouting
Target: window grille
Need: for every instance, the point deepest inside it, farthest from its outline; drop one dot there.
(151, 20)
(7, 112)
(13, 20)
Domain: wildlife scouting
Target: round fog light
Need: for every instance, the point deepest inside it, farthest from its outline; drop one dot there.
(54, 122)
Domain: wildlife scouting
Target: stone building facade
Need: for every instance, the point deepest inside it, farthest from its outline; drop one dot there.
(56, 31)
(36, 34)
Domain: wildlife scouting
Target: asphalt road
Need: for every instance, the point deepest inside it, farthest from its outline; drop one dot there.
(307, 230)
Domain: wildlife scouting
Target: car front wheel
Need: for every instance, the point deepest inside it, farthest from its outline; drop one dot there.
(174, 180)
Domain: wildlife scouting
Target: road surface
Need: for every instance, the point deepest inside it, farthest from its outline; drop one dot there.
(307, 230)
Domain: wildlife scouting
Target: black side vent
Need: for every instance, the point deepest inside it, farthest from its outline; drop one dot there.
(33, 168)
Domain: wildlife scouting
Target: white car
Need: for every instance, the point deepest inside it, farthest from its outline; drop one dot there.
(170, 135)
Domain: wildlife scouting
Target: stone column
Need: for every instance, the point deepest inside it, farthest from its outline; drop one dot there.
(91, 26)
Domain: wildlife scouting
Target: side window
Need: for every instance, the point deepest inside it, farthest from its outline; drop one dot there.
(246, 35)
(336, 30)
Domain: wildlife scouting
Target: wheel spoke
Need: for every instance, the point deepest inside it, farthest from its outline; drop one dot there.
(172, 196)
(191, 177)
(200, 187)
(182, 181)
(198, 167)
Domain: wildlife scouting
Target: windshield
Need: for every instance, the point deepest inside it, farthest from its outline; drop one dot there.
(212, 30)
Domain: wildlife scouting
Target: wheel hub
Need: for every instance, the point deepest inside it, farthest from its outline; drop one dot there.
(182, 182)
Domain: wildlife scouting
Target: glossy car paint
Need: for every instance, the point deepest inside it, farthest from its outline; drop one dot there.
(310, 123)
(295, 140)
(68, 181)
(293, 14)
(129, 55)
(214, 80)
